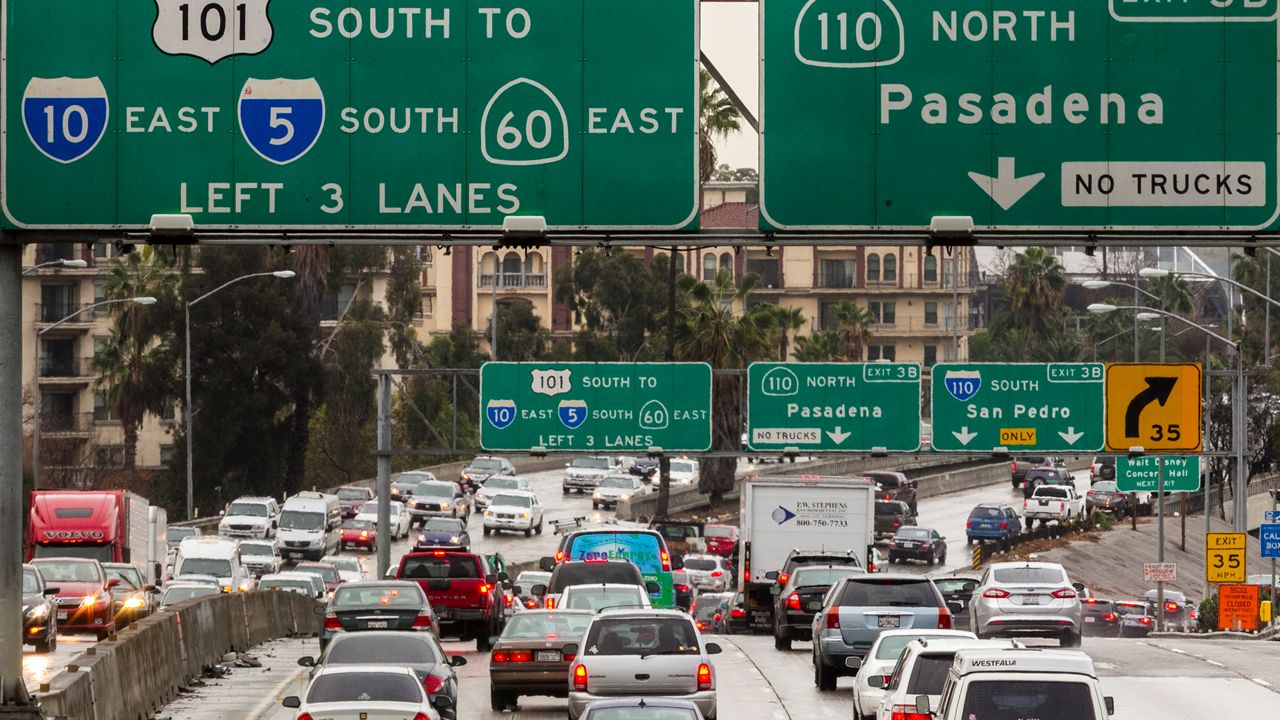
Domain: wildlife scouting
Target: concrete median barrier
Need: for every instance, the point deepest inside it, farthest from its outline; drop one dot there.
(132, 676)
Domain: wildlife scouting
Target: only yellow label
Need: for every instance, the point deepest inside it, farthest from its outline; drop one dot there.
(1017, 436)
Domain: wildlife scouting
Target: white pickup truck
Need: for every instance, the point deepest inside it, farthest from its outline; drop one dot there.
(1053, 502)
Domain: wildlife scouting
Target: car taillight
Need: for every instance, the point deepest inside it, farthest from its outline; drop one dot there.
(1171, 606)
(422, 716)
(907, 712)
(1090, 601)
(968, 523)
(1064, 594)
(531, 604)
(559, 556)
(551, 603)
(719, 617)
(704, 677)
(304, 716)
(996, 593)
(887, 496)
(1004, 526)
(793, 602)
(699, 625)
(331, 622)
(682, 588)
(832, 620)
(1145, 620)
(423, 620)
(944, 619)
(666, 562)
(1110, 617)
(485, 588)
(1013, 467)
(580, 678)
(738, 613)
(924, 546)
(897, 522)
(508, 600)
(783, 578)
(717, 573)
(500, 657)
(520, 656)
(432, 684)
(746, 575)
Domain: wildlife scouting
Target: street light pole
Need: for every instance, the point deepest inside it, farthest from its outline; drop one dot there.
(186, 407)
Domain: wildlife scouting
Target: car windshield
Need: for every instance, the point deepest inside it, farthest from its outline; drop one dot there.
(217, 567)
(407, 595)
(644, 549)
(365, 687)
(928, 674)
(485, 464)
(1131, 608)
(306, 587)
(295, 520)
(352, 494)
(1018, 699)
(955, 585)
(593, 573)
(175, 595)
(328, 573)
(344, 563)
(257, 548)
(381, 649)
(1051, 491)
(642, 636)
(425, 567)
(617, 481)
(523, 501)
(641, 713)
(898, 592)
(1106, 486)
(913, 533)
(528, 579)
(129, 576)
(891, 646)
(360, 525)
(889, 508)
(444, 525)
(983, 512)
(248, 509)
(30, 584)
(696, 563)
(823, 576)
(502, 483)
(434, 489)
(683, 466)
(413, 478)
(719, 532)
(591, 463)
(1095, 605)
(54, 571)
(176, 534)
(583, 597)
(1038, 575)
(549, 626)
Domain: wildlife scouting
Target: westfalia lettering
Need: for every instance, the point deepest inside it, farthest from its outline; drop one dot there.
(74, 534)
(993, 663)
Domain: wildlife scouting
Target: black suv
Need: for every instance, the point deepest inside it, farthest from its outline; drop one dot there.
(1103, 467)
(801, 597)
(894, 486)
(1018, 470)
(891, 515)
(1045, 476)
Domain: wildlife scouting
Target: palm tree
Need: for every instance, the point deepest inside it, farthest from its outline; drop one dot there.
(788, 319)
(1174, 293)
(717, 119)
(821, 346)
(1035, 285)
(134, 364)
(715, 331)
(312, 264)
(853, 326)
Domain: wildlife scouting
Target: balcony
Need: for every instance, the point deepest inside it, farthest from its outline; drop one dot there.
(65, 371)
(514, 282)
(917, 326)
(50, 313)
(66, 425)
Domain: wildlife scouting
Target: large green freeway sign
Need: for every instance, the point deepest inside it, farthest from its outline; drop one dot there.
(1022, 407)
(1142, 474)
(595, 407)
(334, 115)
(833, 407)
(1067, 115)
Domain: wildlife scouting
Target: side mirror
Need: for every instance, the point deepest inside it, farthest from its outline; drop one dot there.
(546, 564)
(677, 562)
(956, 607)
(291, 702)
(713, 649)
(491, 579)
(307, 661)
(652, 587)
(222, 513)
(1110, 702)
(51, 591)
(853, 662)
(875, 681)
(923, 706)
(538, 590)
(442, 702)
(457, 661)
(771, 575)
(1078, 586)
(517, 590)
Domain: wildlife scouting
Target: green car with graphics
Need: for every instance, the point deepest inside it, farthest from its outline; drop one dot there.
(646, 549)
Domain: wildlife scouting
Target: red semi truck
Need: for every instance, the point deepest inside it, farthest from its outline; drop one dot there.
(105, 525)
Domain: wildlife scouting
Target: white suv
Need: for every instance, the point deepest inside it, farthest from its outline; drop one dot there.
(250, 517)
(921, 669)
(662, 646)
(1022, 682)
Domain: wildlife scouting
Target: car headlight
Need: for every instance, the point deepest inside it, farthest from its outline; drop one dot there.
(596, 495)
(245, 585)
(488, 513)
(444, 506)
(89, 601)
(524, 516)
(38, 612)
(133, 603)
(455, 539)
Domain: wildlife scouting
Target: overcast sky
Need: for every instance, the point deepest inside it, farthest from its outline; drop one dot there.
(730, 40)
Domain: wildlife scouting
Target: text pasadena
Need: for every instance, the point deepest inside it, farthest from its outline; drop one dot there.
(1039, 108)
(833, 411)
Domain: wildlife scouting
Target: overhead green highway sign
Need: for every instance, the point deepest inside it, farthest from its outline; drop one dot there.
(833, 407)
(595, 407)
(1074, 115)
(1021, 407)
(262, 114)
(1142, 474)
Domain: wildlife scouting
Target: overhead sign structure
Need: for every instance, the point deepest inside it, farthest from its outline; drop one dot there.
(833, 407)
(1269, 538)
(595, 407)
(1142, 474)
(1238, 607)
(1156, 406)
(253, 114)
(1078, 115)
(1021, 407)
(1225, 557)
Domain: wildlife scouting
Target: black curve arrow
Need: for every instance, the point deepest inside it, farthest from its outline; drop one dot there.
(1158, 390)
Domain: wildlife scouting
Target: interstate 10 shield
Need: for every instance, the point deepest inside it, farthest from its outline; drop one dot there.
(281, 118)
(65, 117)
(500, 413)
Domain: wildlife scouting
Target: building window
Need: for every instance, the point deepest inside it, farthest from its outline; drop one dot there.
(931, 313)
(168, 412)
(103, 251)
(726, 263)
(109, 456)
(885, 313)
(57, 302)
(882, 352)
(766, 268)
(873, 268)
(102, 412)
(428, 306)
(890, 268)
(835, 273)
(930, 269)
(930, 355)
(167, 455)
(827, 315)
(57, 251)
(424, 255)
(709, 267)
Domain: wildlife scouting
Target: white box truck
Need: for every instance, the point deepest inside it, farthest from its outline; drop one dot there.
(802, 513)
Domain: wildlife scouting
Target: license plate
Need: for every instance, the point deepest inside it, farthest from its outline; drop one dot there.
(889, 621)
(548, 656)
(1030, 599)
(63, 614)
(814, 606)
(377, 624)
(1089, 620)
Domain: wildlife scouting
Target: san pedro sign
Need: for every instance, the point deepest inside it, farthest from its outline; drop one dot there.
(250, 114)
(1069, 115)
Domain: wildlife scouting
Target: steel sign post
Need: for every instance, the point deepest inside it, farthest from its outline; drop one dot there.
(351, 116)
(1079, 115)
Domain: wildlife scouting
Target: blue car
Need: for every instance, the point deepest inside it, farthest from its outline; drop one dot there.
(991, 521)
(443, 532)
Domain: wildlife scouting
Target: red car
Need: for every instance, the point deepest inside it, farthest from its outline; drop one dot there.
(722, 540)
(84, 601)
(361, 534)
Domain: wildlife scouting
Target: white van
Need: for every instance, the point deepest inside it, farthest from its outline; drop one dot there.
(309, 526)
(215, 557)
(1048, 684)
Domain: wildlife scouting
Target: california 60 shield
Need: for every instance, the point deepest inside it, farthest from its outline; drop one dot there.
(281, 119)
(65, 117)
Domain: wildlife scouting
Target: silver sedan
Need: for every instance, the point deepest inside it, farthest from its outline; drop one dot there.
(1021, 599)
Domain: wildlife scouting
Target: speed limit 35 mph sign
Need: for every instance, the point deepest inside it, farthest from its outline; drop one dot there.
(1225, 557)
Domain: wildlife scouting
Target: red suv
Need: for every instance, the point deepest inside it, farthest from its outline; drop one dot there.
(721, 540)
(84, 602)
(466, 600)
